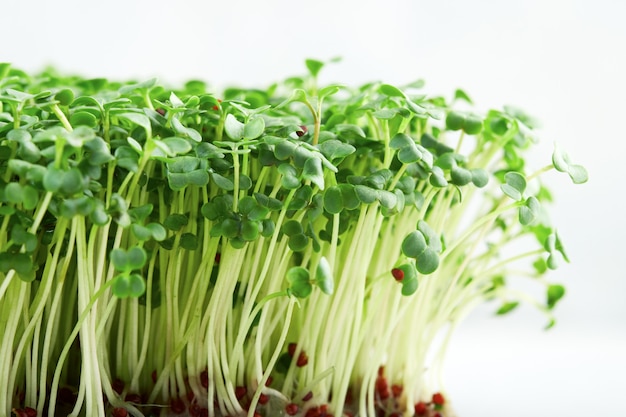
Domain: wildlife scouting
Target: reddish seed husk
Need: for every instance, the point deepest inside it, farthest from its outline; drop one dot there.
(30, 412)
(120, 412)
(396, 390)
(291, 409)
(118, 385)
(177, 405)
(240, 392)
(398, 274)
(308, 396)
(263, 399)
(291, 349)
(421, 408)
(303, 359)
(438, 399)
(133, 398)
(302, 131)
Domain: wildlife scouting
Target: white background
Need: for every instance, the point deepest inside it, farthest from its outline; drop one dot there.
(562, 61)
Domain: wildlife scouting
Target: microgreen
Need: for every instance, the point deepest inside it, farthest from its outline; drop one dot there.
(201, 246)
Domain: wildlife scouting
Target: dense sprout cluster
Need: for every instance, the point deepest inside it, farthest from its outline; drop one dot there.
(288, 251)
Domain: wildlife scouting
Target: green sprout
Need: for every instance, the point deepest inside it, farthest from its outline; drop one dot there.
(289, 251)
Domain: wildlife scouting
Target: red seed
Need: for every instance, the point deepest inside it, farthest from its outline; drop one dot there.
(381, 370)
(133, 398)
(291, 409)
(19, 412)
(303, 359)
(66, 396)
(437, 415)
(438, 399)
(302, 131)
(161, 111)
(398, 274)
(218, 257)
(119, 412)
(204, 378)
(154, 376)
(313, 412)
(291, 349)
(381, 384)
(263, 399)
(194, 410)
(324, 409)
(308, 396)
(269, 381)
(30, 412)
(118, 386)
(396, 390)
(190, 395)
(421, 408)
(240, 392)
(395, 414)
(177, 405)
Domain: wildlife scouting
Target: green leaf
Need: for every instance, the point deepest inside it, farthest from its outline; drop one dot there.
(460, 176)
(514, 185)
(298, 242)
(299, 282)
(390, 90)
(365, 194)
(554, 293)
(175, 221)
(578, 174)
(324, 276)
(141, 213)
(333, 200)
(142, 233)
(126, 261)
(473, 125)
(292, 228)
(13, 193)
(409, 286)
(386, 198)
(462, 95)
(507, 307)
(480, 177)
(254, 128)
(64, 97)
(20, 236)
(250, 230)
(158, 232)
(233, 127)
(336, 150)
(132, 285)
(177, 145)
(137, 118)
(314, 66)
(427, 261)
(313, 172)
(328, 91)
(414, 244)
(529, 211)
(182, 130)
(189, 241)
(455, 120)
(223, 182)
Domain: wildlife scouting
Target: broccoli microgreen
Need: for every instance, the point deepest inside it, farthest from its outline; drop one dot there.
(201, 246)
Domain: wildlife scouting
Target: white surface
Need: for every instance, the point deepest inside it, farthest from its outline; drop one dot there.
(563, 61)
